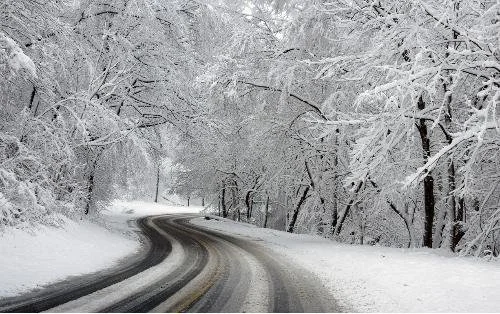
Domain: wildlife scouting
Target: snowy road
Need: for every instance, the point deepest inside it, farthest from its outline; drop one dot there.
(187, 268)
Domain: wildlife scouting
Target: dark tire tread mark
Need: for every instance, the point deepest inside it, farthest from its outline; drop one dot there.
(194, 262)
(281, 302)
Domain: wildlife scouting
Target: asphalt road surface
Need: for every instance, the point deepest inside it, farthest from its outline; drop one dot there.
(186, 268)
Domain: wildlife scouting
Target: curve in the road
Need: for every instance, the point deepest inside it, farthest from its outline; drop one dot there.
(218, 273)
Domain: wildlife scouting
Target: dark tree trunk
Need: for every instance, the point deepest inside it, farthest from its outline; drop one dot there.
(452, 206)
(218, 205)
(90, 188)
(248, 204)
(428, 180)
(119, 108)
(340, 222)
(461, 209)
(334, 214)
(456, 210)
(458, 230)
(157, 184)
(266, 211)
(32, 98)
(406, 221)
(295, 213)
(235, 207)
(91, 183)
(334, 222)
(223, 200)
(251, 207)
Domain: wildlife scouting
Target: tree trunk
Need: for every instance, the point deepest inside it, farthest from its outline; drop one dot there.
(440, 215)
(334, 214)
(119, 108)
(157, 183)
(158, 166)
(295, 213)
(91, 182)
(223, 200)
(437, 240)
(315, 187)
(251, 207)
(266, 211)
(406, 219)
(248, 205)
(90, 189)
(235, 206)
(361, 225)
(456, 210)
(340, 222)
(428, 180)
(218, 204)
(32, 98)
(452, 208)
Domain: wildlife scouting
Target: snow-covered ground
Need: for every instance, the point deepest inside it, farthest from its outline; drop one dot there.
(362, 278)
(136, 209)
(43, 255)
(380, 279)
(48, 254)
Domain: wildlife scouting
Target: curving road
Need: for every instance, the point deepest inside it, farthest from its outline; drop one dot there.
(186, 268)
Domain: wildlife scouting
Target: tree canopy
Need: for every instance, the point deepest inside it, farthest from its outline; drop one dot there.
(363, 121)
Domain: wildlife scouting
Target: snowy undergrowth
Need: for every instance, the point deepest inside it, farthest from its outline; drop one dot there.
(381, 279)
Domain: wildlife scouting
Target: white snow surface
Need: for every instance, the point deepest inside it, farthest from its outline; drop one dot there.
(361, 278)
(47, 254)
(136, 209)
(381, 279)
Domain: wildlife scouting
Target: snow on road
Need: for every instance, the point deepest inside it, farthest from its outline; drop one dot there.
(380, 279)
(45, 254)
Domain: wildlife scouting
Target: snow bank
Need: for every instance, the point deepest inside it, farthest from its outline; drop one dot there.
(49, 254)
(135, 209)
(380, 279)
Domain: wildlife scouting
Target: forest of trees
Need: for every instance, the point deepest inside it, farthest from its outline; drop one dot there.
(369, 122)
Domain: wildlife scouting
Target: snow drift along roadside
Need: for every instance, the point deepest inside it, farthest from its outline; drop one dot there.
(381, 279)
(49, 254)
